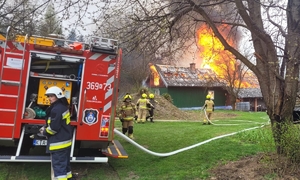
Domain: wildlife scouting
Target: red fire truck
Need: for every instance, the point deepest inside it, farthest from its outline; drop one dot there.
(88, 74)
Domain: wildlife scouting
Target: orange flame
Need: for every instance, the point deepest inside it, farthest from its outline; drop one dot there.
(155, 74)
(213, 55)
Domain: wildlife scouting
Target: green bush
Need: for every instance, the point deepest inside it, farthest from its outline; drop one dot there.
(290, 141)
(168, 97)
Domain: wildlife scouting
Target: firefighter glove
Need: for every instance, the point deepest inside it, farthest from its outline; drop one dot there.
(135, 117)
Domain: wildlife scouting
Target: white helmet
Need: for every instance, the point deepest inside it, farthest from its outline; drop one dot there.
(56, 91)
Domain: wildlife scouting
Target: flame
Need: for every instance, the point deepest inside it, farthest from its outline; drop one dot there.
(214, 57)
(155, 74)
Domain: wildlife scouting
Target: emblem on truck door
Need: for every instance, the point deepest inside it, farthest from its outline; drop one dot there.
(90, 116)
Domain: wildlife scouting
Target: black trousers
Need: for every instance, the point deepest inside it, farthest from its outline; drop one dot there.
(61, 163)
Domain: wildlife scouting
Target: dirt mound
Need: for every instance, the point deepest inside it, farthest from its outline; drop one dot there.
(164, 110)
(258, 167)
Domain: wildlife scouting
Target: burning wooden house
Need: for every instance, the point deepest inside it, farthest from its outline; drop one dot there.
(219, 69)
(188, 86)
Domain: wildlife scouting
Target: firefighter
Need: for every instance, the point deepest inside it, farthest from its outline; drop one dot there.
(142, 104)
(209, 107)
(151, 109)
(59, 133)
(127, 114)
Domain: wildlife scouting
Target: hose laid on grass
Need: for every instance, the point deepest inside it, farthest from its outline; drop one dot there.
(179, 150)
(206, 117)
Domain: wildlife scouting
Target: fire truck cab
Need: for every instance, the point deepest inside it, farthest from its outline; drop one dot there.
(87, 73)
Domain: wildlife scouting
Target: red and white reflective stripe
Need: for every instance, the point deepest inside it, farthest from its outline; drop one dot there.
(110, 83)
(19, 46)
(108, 94)
(2, 45)
(95, 56)
(12, 45)
(110, 74)
(107, 57)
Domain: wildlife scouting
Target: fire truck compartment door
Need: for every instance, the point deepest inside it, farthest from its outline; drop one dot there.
(97, 91)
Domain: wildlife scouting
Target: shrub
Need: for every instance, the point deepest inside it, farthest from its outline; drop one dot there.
(168, 97)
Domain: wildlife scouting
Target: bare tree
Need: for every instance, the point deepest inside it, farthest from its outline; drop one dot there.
(169, 27)
(272, 29)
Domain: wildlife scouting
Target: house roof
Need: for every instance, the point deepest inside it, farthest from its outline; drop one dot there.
(187, 76)
(250, 93)
(173, 76)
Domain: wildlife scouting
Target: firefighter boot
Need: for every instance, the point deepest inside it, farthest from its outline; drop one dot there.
(148, 118)
(124, 130)
(130, 136)
(151, 119)
(204, 121)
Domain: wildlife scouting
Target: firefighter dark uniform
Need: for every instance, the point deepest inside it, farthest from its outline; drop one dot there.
(209, 108)
(59, 134)
(151, 109)
(127, 113)
(143, 104)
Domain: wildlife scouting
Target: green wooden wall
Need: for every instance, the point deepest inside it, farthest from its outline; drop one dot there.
(194, 96)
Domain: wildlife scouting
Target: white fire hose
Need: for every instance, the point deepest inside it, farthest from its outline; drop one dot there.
(206, 117)
(179, 150)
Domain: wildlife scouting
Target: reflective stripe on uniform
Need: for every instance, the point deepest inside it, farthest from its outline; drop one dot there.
(49, 120)
(64, 177)
(143, 103)
(50, 131)
(69, 174)
(128, 118)
(66, 115)
(60, 145)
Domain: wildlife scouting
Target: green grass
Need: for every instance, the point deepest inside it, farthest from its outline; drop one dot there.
(165, 137)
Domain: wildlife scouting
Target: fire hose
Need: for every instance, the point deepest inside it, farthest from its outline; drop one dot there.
(206, 117)
(182, 149)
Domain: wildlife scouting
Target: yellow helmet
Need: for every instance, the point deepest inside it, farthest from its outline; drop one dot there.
(144, 95)
(127, 96)
(208, 97)
(151, 96)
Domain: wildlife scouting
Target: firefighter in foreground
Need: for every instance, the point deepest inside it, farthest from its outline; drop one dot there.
(142, 104)
(151, 109)
(59, 133)
(127, 114)
(209, 107)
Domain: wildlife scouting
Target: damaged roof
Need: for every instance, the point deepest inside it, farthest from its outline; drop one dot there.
(250, 93)
(187, 76)
(173, 76)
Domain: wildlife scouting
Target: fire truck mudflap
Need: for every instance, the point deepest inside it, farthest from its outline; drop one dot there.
(89, 78)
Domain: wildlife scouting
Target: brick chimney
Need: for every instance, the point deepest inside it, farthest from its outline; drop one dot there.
(193, 67)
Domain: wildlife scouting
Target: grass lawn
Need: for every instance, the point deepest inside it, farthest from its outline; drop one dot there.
(165, 137)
